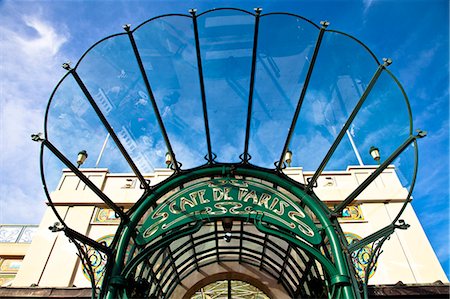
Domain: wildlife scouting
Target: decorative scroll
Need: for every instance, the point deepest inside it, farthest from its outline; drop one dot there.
(361, 257)
(17, 233)
(9, 234)
(97, 260)
(227, 197)
(352, 213)
(106, 216)
(8, 270)
(5, 279)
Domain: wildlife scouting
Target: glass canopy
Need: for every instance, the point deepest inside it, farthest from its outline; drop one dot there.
(222, 91)
(229, 87)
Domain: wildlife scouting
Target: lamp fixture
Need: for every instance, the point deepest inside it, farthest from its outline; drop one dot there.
(168, 159)
(82, 156)
(227, 237)
(375, 153)
(227, 224)
(288, 157)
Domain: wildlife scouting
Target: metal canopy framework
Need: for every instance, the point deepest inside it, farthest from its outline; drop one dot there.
(226, 94)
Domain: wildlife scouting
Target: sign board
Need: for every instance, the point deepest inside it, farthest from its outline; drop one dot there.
(227, 197)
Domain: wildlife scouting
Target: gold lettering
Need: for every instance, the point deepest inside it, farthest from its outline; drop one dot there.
(251, 195)
(225, 194)
(198, 194)
(154, 227)
(184, 201)
(217, 194)
(173, 208)
(236, 206)
(201, 194)
(275, 201)
(303, 227)
(242, 193)
(222, 209)
(282, 205)
(264, 199)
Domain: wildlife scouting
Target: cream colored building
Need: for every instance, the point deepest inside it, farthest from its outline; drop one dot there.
(51, 261)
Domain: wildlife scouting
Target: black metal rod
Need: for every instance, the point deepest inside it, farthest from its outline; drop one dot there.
(195, 251)
(286, 257)
(217, 241)
(306, 274)
(379, 170)
(153, 279)
(263, 252)
(86, 240)
(252, 84)
(384, 232)
(157, 281)
(302, 95)
(202, 85)
(172, 261)
(347, 124)
(241, 241)
(85, 180)
(46, 191)
(85, 261)
(108, 127)
(152, 97)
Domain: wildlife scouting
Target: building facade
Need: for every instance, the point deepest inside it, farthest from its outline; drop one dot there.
(50, 260)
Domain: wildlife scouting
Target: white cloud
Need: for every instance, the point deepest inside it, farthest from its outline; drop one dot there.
(48, 42)
(367, 4)
(29, 69)
(409, 74)
(17, 206)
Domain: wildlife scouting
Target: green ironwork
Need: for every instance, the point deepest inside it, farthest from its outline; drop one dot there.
(226, 197)
(348, 122)
(303, 93)
(337, 269)
(379, 170)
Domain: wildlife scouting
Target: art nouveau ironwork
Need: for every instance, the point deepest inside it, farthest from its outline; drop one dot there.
(223, 96)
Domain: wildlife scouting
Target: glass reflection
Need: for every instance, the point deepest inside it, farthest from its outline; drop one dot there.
(226, 40)
(285, 46)
(383, 122)
(72, 125)
(342, 72)
(167, 48)
(112, 76)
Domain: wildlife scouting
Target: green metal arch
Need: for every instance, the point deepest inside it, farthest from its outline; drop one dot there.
(337, 269)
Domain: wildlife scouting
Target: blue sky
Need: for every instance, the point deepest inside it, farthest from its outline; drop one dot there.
(38, 36)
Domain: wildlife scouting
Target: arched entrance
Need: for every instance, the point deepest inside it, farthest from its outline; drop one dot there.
(229, 284)
(228, 213)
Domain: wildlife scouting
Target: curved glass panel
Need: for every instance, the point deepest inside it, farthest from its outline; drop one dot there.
(285, 46)
(382, 122)
(405, 166)
(52, 169)
(167, 49)
(72, 126)
(394, 183)
(342, 71)
(226, 41)
(384, 119)
(65, 187)
(112, 76)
